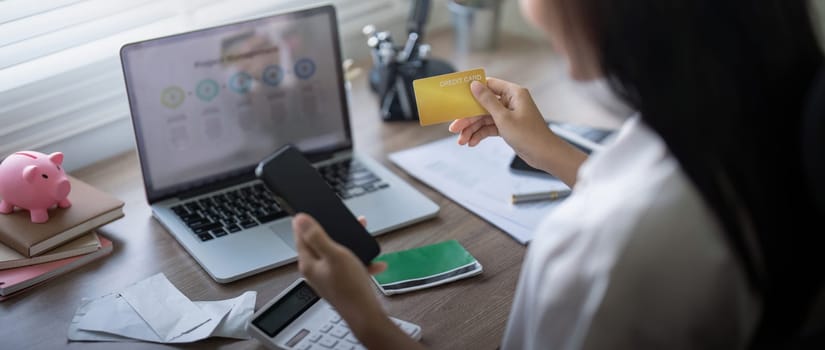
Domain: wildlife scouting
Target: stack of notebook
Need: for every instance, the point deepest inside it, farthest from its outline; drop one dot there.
(33, 253)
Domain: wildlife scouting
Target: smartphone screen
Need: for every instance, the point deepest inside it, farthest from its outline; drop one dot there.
(299, 188)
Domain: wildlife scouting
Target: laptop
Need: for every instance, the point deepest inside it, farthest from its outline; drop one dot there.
(208, 105)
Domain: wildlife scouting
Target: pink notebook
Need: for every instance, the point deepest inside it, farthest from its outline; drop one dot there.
(17, 279)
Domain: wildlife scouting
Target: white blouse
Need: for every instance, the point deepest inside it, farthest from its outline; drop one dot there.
(633, 259)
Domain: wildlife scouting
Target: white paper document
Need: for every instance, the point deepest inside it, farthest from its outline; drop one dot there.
(480, 179)
(154, 310)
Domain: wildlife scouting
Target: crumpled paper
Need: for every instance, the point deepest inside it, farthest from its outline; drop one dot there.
(153, 310)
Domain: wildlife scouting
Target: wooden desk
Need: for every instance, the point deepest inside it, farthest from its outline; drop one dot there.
(470, 314)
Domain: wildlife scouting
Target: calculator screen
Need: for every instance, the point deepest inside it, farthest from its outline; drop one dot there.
(286, 309)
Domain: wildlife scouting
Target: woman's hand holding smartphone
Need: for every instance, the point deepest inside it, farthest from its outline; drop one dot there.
(299, 188)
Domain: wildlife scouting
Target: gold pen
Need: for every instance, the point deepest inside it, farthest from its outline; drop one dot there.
(539, 196)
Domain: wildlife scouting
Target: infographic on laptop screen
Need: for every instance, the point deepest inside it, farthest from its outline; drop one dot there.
(209, 102)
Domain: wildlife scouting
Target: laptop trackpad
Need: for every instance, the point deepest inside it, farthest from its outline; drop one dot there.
(283, 229)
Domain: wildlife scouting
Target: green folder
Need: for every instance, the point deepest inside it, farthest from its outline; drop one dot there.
(425, 267)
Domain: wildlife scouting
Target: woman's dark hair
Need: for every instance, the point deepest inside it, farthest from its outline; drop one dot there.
(724, 83)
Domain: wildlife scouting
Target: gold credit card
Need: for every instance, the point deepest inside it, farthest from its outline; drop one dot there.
(447, 97)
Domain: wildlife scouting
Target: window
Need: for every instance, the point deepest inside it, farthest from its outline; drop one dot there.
(61, 86)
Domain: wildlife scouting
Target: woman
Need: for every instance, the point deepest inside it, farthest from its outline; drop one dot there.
(706, 252)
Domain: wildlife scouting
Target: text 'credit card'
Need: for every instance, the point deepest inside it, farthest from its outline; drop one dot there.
(446, 97)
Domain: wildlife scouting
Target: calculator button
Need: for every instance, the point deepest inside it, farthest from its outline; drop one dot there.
(351, 338)
(304, 346)
(335, 318)
(344, 346)
(325, 328)
(315, 337)
(339, 332)
(300, 335)
(328, 342)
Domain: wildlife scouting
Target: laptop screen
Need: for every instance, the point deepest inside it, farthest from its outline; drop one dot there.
(210, 104)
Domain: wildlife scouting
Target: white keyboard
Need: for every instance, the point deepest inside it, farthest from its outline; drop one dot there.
(336, 335)
(299, 319)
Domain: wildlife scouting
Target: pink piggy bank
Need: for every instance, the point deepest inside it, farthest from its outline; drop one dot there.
(34, 181)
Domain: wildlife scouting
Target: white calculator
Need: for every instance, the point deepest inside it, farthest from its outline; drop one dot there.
(299, 319)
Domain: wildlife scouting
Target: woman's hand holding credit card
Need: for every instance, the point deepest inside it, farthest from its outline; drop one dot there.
(447, 97)
(495, 107)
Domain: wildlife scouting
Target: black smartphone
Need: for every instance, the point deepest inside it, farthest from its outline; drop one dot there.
(299, 188)
(567, 132)
(519, 164)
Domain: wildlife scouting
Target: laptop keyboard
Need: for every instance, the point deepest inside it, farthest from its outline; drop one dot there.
(229, 212)
(349, 178)
(246, 207)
